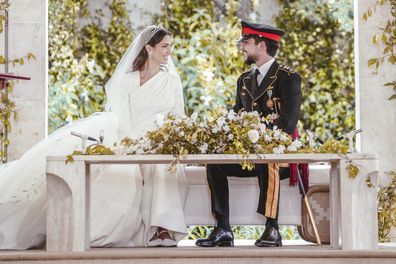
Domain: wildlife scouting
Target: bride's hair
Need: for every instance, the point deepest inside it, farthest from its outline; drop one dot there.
(158, 34)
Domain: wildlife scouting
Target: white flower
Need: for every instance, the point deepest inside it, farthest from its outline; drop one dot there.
(208, 75)
(273, 117)
(139, 151)
(267, 138)
(258, 148)
(262, 127)
(296, 144)
(221, 121)
(119, 150)
(231, 115)
(253, 135)
(276, 134)
(91, 65)
(292, 148)
(203, 148)
(230, 137)
(215, 130)
(147, 144)
(182, 134)
(283, 137)
(194, 116)
(278, 150)
(226, 128)
(189, 123)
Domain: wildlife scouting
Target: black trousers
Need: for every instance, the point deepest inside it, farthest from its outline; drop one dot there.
(268, 203)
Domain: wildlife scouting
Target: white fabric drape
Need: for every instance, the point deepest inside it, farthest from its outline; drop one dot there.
(124, 210)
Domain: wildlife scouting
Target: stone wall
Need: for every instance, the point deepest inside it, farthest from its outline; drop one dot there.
(27, 33)
(141, 12)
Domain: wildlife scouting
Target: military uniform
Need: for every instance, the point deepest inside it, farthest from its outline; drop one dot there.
(278, 95)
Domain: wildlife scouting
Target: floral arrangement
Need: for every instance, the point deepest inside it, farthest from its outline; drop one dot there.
(245, 133)
(228, 133)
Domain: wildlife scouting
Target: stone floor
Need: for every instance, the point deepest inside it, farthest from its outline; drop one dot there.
(296, 252)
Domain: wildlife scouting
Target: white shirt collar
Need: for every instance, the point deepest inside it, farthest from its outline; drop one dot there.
(265, 67)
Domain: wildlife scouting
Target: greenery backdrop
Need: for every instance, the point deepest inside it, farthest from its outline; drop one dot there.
(84, 52)
(82, 56)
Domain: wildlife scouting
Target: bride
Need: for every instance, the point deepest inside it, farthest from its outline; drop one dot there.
(131, 205)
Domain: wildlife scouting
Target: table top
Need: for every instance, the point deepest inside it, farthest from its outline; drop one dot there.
(215, 158)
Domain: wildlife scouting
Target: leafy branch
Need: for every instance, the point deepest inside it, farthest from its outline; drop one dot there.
(7, 106)
(385, 39)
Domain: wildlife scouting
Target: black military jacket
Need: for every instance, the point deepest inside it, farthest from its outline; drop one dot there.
(279, 93)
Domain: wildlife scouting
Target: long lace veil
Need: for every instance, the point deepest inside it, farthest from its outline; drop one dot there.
(125, 65)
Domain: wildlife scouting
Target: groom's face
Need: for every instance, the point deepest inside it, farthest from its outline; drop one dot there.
(251, 52)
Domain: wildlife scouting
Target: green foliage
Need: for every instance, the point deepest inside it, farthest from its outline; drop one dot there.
(82, 58)
(183, 18)
(3, 7)
(107, 45)
(205, 52)
(387, 208)
(8, 112)
(385, 39)
(317, 46)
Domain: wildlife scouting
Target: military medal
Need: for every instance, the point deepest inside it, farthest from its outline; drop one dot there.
(270, 103)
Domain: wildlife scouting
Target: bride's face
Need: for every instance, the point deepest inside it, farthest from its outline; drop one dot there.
(161, 51)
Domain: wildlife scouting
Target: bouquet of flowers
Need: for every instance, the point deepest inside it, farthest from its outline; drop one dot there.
(228, 133)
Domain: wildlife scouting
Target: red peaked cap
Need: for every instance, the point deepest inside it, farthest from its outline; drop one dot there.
(261, 30)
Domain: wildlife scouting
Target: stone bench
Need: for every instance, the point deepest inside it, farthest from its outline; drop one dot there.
(353, 206)
(244, 193)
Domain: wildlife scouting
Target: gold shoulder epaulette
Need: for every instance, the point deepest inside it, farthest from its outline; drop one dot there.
(286, 69)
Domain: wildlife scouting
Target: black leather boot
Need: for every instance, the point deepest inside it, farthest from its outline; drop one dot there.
(218, 238)
(270, 238)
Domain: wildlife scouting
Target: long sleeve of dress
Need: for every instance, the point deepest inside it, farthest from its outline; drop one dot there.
(179, 98)
(123, 110)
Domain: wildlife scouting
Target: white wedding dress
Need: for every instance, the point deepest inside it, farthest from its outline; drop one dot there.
(128, 201)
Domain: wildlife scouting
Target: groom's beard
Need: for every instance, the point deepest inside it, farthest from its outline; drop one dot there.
(250, 59)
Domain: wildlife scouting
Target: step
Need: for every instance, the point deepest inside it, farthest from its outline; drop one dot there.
(289, 253)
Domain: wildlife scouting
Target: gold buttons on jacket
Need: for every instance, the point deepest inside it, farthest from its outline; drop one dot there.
(254, 104)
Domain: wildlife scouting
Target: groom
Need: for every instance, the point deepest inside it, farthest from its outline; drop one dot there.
(270, 89)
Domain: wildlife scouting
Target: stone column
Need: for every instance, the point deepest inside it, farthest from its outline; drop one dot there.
(28, 33)
(376, 115)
